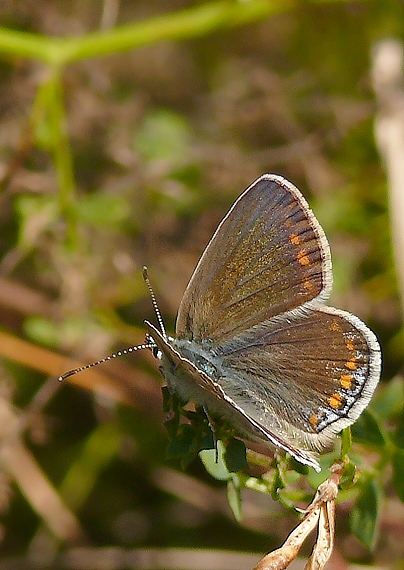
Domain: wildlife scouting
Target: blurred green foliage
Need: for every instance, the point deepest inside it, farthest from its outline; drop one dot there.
(124, 140)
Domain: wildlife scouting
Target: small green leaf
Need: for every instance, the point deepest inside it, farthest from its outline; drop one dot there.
(260, 485)
(366, 431)
(235, 456)
(398, 472)
(348, 476)
(346, 441)
(234, 498)
(365, 513)
(213, 460)
(299, 467)
(278, 482)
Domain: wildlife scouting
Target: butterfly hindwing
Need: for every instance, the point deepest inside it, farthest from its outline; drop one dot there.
(304, 375)
(186, 379)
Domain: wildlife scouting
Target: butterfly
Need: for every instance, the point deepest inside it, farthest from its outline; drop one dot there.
(255, 344)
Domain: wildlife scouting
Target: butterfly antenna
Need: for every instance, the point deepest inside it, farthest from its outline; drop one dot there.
(110, 357)
(154, 302)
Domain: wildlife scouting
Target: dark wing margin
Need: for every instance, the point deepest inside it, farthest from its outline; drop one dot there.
(269, 255)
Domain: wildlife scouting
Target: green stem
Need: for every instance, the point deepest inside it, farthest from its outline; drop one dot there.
(193, 22)
(62, 156)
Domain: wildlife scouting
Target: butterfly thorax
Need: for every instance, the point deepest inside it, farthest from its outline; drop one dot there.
(192, 371)
(201, 356)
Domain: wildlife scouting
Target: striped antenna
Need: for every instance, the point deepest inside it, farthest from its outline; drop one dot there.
(110, 357)
(154, 302)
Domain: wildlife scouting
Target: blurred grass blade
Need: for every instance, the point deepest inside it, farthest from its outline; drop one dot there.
(99, 449)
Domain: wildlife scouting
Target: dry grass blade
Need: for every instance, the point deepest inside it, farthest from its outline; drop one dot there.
(34, 485)
(321, 513)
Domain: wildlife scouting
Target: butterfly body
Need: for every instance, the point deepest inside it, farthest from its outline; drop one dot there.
(255, 343)
(195, 376)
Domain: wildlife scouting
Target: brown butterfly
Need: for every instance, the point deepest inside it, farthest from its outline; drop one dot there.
(255, 343)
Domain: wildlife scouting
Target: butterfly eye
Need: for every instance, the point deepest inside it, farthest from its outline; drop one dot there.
(152, 346)
(156, 352)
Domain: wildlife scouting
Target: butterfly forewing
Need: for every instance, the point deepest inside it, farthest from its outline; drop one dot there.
(268, 255)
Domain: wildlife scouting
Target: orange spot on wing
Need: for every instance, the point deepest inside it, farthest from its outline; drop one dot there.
(313, 420)
(308, 285)
(294, 239)
(303, 258)
(351, 364)
(335, 327)
(346, 381)
(350, 345)
(336, 401)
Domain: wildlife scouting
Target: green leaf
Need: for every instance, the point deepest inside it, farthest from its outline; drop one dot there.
(234, 498)
(278, 482)
(365, 513)
(366, 431)
(348, 476)
(235, 456)
(260, 485)
(346, 441)
(213, 460)
(398, 472)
